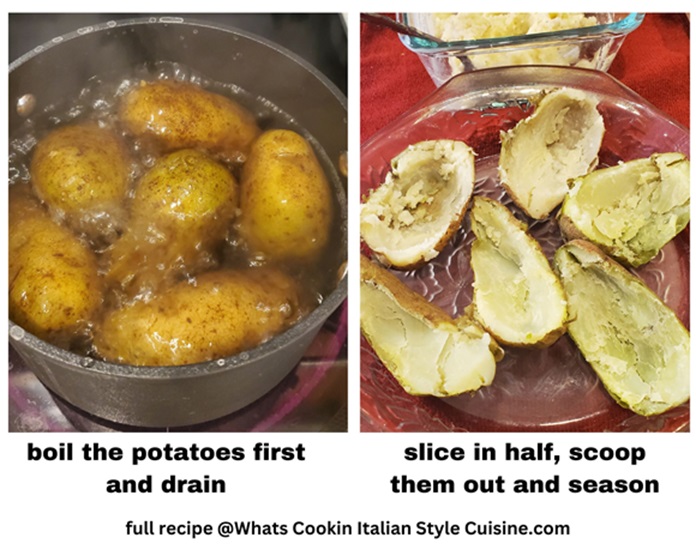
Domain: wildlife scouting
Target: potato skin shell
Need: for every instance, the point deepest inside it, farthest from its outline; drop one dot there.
(54, 289)
(551, 338)
(286, 201)
(175, 115)
(441, 244)
(442, 152)
(220, 314)
(374, 276)
(408, 299)
(620, 274)
(472, 311)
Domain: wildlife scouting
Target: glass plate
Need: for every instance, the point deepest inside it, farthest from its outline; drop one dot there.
(552, 389)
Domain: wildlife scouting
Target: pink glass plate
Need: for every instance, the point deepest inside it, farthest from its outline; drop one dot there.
(553, 389)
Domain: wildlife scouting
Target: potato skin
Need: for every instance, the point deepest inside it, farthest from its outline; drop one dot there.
(54, 288)
(181, 211)
(286, 201)
(82, 173)
(568, 228)
(176, 115)
(219, 314)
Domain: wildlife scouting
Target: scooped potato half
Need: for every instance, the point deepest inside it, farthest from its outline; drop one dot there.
(559, 141)
(82, 173)
(216, 315)
(633, 341)
(176, 115)
(426, 350)
(409, 219)
(55, 290)
(631, 210)
(286, 200)
(517, 297)
(181, 211)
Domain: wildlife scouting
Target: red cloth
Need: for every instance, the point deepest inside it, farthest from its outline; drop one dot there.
(653, 61)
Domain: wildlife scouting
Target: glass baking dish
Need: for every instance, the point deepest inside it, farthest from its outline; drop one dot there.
(592, 47)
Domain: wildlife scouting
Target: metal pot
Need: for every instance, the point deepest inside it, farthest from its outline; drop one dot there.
(190, 394)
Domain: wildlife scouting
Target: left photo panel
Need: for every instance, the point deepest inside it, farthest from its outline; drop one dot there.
(177, 222)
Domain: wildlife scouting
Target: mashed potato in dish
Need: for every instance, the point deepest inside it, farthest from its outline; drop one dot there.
(472, 26)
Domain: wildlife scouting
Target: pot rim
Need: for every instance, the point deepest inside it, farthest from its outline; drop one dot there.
(177, 20)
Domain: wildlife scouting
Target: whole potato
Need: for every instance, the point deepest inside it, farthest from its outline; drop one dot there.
(25, 216)
(187, 190)
(177, 115)
(180, 212)
(82, 173)
(55, 290)
(286, 201)
(216, 315)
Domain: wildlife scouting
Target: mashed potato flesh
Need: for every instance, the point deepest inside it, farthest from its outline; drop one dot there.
(453, 27)
(472, 26)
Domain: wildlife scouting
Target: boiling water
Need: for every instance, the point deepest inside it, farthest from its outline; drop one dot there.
(98, 101)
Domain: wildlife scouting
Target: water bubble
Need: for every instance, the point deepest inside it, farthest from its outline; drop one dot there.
(17, 332)
(25, 105)
(85, 30)
(111, 24)
(220, 362)
(87, 362)
(244, 356)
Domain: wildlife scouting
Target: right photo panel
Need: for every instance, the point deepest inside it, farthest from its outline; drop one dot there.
(524, 221)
